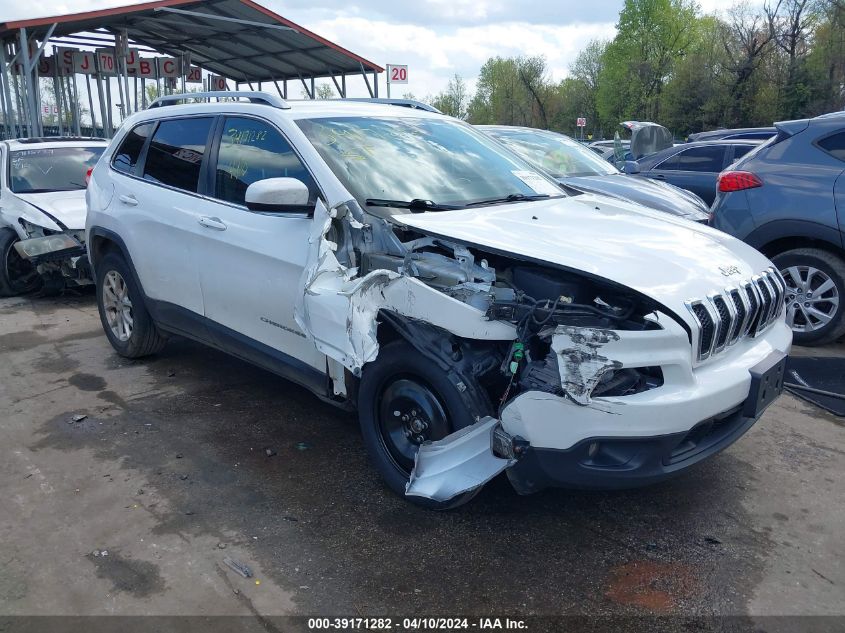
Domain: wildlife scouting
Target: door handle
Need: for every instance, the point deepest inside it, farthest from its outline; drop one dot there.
(659, 177)
(212, 223)
(132, 201)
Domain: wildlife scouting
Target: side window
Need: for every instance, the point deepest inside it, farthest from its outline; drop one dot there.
(176, 152)
(126, 156)
(250, 151)
(834, 145)
(741, 150)
(708, 158)
(670, 164)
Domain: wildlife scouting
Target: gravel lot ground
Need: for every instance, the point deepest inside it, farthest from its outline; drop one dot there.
(170, 474)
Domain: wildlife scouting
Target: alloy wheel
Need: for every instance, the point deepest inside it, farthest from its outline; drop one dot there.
(812, 298)
(117, 305)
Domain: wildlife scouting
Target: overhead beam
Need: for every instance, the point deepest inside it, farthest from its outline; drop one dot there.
(210, 16)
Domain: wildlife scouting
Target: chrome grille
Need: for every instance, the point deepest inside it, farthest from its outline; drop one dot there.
(736, 313)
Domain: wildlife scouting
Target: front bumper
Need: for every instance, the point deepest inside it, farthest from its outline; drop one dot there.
(607, 463)
(635, 440)
(543, 439)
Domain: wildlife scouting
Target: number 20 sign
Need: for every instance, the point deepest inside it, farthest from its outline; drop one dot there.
(397, 74)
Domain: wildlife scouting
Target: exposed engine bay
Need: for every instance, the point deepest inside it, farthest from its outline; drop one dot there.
(542, 304)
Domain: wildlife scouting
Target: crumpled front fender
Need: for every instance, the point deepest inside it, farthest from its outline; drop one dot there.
(338, 309)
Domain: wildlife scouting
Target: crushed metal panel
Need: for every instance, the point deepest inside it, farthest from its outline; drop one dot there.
(580, 361)
(460, 462)
(339, 311)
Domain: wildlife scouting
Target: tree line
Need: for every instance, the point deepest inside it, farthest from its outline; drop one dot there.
(669, 63)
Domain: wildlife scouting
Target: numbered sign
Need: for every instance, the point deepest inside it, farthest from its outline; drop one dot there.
(194, 75)
(215, 82)
(106, 59)
(581, 122)
(397, 74)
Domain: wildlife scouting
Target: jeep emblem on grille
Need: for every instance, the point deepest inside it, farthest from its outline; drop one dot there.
(727, 271)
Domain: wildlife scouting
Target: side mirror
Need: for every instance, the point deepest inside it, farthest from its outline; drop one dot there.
(631, 167)
(278, 195)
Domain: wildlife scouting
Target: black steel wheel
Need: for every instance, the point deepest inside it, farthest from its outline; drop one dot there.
(406, 399)
(409, 413)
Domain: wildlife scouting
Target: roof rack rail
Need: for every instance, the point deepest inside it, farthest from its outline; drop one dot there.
(264, 98)
(56, 139)
(405, 103)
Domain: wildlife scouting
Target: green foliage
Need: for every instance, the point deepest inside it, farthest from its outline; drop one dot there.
(513, 91)
(669, 63)
(454, 100)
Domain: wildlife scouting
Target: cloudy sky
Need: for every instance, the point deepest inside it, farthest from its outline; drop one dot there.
(436, 38)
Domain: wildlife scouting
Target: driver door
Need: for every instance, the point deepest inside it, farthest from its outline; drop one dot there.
(251, 262)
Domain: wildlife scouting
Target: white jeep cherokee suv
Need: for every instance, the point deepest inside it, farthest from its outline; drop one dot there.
(42, 212)
(402, 263)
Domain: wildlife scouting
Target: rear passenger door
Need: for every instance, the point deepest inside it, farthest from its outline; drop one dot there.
(157, 194)
(695, 169)
(251, 263)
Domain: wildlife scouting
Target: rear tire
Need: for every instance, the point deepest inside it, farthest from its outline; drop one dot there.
(126, 321)
(17, 275)
(403, 380)
(815, 295)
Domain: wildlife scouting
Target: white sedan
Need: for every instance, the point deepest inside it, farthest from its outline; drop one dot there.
(42, 212)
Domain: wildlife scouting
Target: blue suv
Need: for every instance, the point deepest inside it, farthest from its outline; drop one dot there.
(787, 199)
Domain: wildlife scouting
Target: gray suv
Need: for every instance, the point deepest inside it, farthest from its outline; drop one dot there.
(787, 199)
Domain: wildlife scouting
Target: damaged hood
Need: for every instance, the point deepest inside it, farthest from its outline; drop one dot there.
(668, 259)
(64, 207)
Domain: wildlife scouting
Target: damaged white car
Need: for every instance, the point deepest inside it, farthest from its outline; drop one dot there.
(401, 263)
(42, 213)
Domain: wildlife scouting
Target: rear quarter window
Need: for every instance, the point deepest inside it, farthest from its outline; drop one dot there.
(834, 144)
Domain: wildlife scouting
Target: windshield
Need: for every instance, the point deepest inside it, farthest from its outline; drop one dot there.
(51, 169)
(427, 159)
(558, 155)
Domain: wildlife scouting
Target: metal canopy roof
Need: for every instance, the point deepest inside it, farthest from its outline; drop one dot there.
(238, 39)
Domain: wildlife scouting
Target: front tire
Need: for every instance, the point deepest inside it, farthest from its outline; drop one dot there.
(17, 275)
(815, 294)
(126, 321)
(405, 399)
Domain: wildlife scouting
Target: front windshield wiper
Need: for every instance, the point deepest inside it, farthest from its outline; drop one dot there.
(514, 197)
(417, 205)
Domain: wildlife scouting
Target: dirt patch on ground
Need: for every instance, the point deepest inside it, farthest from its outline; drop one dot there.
(653, 586)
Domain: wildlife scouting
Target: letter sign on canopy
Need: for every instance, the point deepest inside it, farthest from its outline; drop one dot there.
(397, 74)
(64, 58)
(45, 66)
(168, 67)
(83, 63)
(146, 68)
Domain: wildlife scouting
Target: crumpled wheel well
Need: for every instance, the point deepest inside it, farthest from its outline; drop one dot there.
(472, 365)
